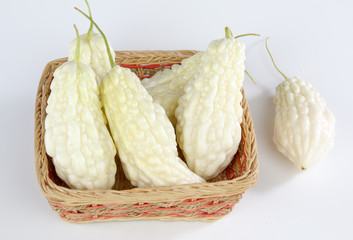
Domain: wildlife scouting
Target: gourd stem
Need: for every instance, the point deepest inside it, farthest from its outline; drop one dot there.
(229, 33)
(77, 52)
(252, 79)
(273, 61)
(111, 60)
(89, 33)
(247, 34)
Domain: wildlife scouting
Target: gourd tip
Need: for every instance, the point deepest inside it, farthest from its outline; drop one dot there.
(229, 33)
(111, 60)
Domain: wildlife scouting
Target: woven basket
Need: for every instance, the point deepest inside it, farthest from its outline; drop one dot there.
(206, 202)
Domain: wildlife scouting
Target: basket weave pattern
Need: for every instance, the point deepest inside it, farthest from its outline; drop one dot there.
(202, 201)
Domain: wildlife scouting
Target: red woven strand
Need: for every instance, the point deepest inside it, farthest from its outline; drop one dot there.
(245, 158)
(144, 76)
(204, 214)
(145, 66)
(237, 159)
(232, 166)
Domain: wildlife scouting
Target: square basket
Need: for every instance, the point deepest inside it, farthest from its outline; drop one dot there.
(202, 201)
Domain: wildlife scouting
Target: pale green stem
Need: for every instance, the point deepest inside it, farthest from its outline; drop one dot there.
(77, 52)
(273, 61)
(111, 60)
(252, 79)
(229, 34)
(89, 33)
(247, 34)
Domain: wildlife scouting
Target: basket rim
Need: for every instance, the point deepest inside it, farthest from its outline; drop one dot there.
(58, 194)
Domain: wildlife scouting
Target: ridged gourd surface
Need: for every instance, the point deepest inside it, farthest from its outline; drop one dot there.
(142, 132)
(76, 135)
(209, 113)
(304, 126)
(93, 52)
(167, 86)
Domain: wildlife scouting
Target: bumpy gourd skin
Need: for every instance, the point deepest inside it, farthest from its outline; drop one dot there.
(93, 52)
(76, 135)
(143, 135)
(167, 86)
(304, 126)
(209, 113)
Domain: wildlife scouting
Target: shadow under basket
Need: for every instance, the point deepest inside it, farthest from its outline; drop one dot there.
(194, 202)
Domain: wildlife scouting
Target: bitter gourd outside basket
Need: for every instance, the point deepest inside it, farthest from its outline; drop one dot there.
(203, 201)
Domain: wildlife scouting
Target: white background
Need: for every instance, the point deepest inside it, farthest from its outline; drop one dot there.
(309, 39)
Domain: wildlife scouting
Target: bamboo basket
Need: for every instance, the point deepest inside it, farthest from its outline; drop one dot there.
(194, 202)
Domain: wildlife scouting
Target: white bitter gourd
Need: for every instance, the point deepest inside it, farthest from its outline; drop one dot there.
(304, 126)
(209, 113)
(76, 135)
